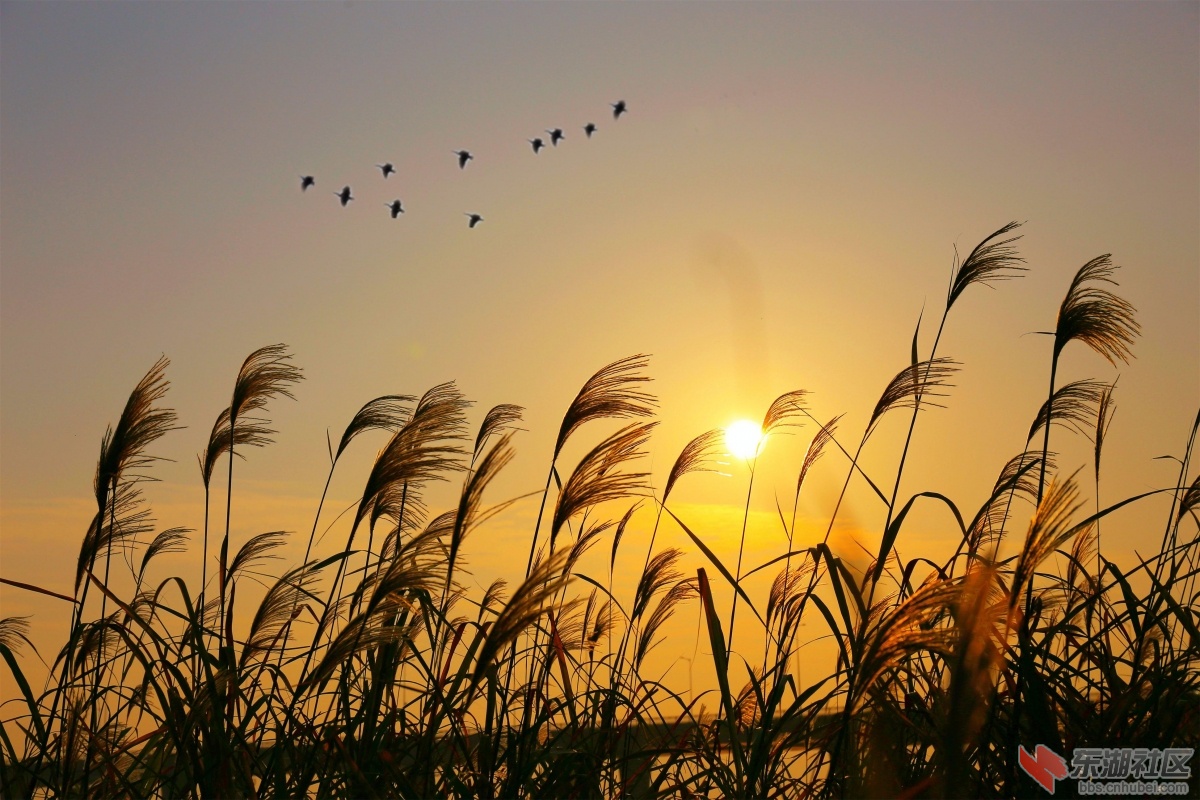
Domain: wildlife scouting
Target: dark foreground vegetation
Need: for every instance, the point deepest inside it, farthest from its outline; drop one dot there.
(374, 672)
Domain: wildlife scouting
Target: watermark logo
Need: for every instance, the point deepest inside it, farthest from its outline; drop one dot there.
(1112, 770)
(1045, 767)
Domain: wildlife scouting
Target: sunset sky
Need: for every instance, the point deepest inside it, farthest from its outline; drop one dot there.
(781, 201)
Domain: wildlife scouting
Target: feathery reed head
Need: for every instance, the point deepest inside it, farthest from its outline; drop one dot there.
(258, 548)
(1104, 414)
(695, 457)
(681, 591)
(472, 496)
(125, 518)
(659, 572)
(250, 432)
(1018, 478)
(990, 261)
(422, 450)
(1095, 316)
(388, 413)
(499, 419)
(610, 393)
(816, 447)
(124, 447)
(495, 595)
(521, 612)
(266, 373)
(172, 540)
(280, 605)
(783, 411)
(497, 458)
(913, 384)
(589, 532)
(597, 479)
(14, 631)
(905, 630)
(978, 611)
(786, 590)
(1073, 406)
(1049, 528)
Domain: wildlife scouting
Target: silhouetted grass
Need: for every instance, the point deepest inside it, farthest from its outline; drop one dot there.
(374, 672)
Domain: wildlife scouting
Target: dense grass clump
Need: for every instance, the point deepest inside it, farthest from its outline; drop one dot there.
(374, 672)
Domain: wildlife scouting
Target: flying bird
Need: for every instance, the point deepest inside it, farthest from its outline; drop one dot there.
(538, 144)
(463, 157)
(589, 129)
(307, 181)
(618, 108)
(386, 169)
(474, 220)
(555, 135)
(344, 195)
(396, 208)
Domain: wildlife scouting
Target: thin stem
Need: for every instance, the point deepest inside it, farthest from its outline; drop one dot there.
(741, 550)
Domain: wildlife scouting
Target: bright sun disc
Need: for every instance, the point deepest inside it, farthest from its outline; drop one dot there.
(743, 438)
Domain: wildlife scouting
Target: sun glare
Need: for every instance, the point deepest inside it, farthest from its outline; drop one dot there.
(744, 438)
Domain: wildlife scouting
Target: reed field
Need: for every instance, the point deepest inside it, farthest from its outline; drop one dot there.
(375, 672)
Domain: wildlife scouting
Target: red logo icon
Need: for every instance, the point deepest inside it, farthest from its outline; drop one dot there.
(1045, 767)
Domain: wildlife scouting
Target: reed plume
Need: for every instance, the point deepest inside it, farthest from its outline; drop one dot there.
(527, 604)
(912, 385)
(697, 456)
(278, 608)
(1095, 316)
(470, 501)
(125, 517)
(266, 373)
(124, 448)
(1049, 529)
(611, 393)
(422, 450)
(14, 632)
(1016, 479)
(1074, 406)
(496, 422)
(1190, 501)
(993, 259)
(171, 540)
(386, 413)
(681, 591)
(597, 478)
(122, 451)
(989, 262)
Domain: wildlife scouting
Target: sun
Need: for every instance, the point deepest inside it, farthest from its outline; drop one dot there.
(744, 439)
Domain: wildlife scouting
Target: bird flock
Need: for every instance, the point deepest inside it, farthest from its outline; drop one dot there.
(464, 156)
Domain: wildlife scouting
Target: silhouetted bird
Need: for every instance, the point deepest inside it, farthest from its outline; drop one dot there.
(344, 194)
(618, 108)
(396, 208)
(474, 220)
(589, 129)
(555, 135)
(307, 181)
(538, 144)
(387, 168)
(463, 157)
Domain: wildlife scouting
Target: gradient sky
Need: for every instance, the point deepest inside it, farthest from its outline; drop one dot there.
(781, 201)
